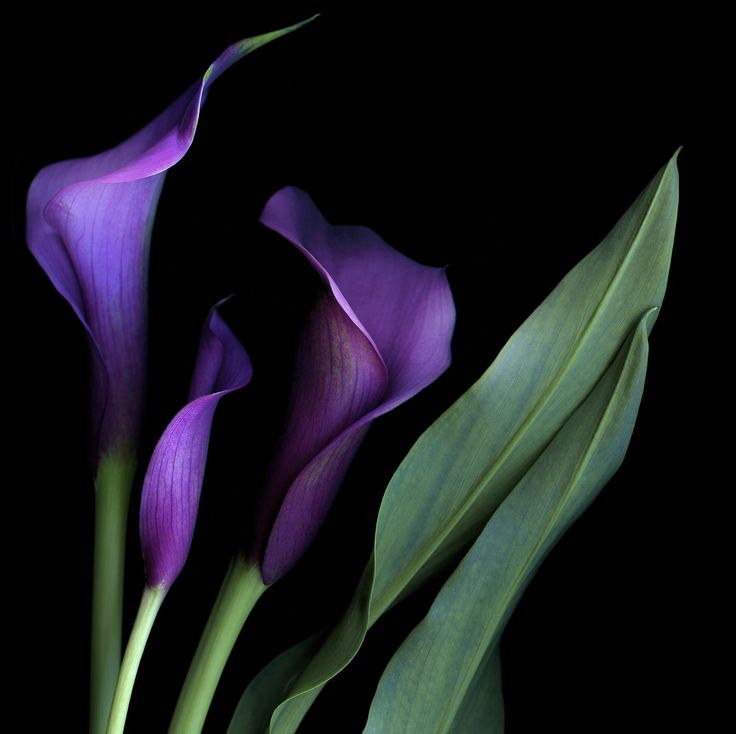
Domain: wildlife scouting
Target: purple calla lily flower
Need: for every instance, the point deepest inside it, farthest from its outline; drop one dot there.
(88, 225)
(379, 335)
(173, 482)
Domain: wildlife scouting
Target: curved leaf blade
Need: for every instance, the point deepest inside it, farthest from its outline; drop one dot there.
(425, 685)
(468, 461)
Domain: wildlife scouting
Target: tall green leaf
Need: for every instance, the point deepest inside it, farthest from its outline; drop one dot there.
(465, 464)
(482, 709)
(430, 682)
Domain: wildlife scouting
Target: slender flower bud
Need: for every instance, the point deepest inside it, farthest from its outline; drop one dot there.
(173, 482)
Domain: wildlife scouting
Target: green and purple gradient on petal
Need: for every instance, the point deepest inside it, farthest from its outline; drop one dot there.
(89, 224)
(379, 334)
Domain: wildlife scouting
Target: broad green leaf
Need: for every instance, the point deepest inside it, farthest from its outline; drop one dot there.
(482, 708)
(465, 464)
(425, 685)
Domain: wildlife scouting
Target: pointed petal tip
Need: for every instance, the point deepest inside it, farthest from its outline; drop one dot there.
(239, 49)
(250, 44)
(222, 302)
(223, 364)
(173, 481)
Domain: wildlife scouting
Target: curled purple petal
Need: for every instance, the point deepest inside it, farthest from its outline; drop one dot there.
(88, 225)
(380, 334)
(173, 482)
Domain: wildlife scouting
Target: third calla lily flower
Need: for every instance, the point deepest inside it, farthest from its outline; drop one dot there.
(380, 333)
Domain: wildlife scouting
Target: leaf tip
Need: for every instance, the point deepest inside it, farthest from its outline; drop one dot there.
(672, 163)
(648, 318)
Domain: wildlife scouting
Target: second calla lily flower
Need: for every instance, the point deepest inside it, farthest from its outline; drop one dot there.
(380, 333)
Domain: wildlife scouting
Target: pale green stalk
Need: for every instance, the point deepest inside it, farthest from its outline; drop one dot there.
(240, 590)
(112, 498)
(147, 611)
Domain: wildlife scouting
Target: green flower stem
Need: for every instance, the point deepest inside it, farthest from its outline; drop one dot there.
(147, 611)
(240, 590)
(112, 497)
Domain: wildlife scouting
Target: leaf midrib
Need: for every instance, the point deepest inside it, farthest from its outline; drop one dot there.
(518, 434)
(518, 579)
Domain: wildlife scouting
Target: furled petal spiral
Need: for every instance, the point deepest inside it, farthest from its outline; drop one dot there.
(173, 482)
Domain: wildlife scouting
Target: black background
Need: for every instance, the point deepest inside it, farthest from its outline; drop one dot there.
(505, 147)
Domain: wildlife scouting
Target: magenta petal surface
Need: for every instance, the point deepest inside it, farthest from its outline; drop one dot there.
(380, 334)
(88, 225)
(173, 482)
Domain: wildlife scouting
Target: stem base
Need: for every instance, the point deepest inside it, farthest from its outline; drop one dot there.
(240, 590)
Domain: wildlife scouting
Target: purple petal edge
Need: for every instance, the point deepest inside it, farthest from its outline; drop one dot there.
(88, 225)
(338, 378)
(173, 481)
(407, 313)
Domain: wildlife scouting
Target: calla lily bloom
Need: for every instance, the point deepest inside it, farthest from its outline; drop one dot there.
(380, 333)
(171, 491)
(173, 482)
(88, 225)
